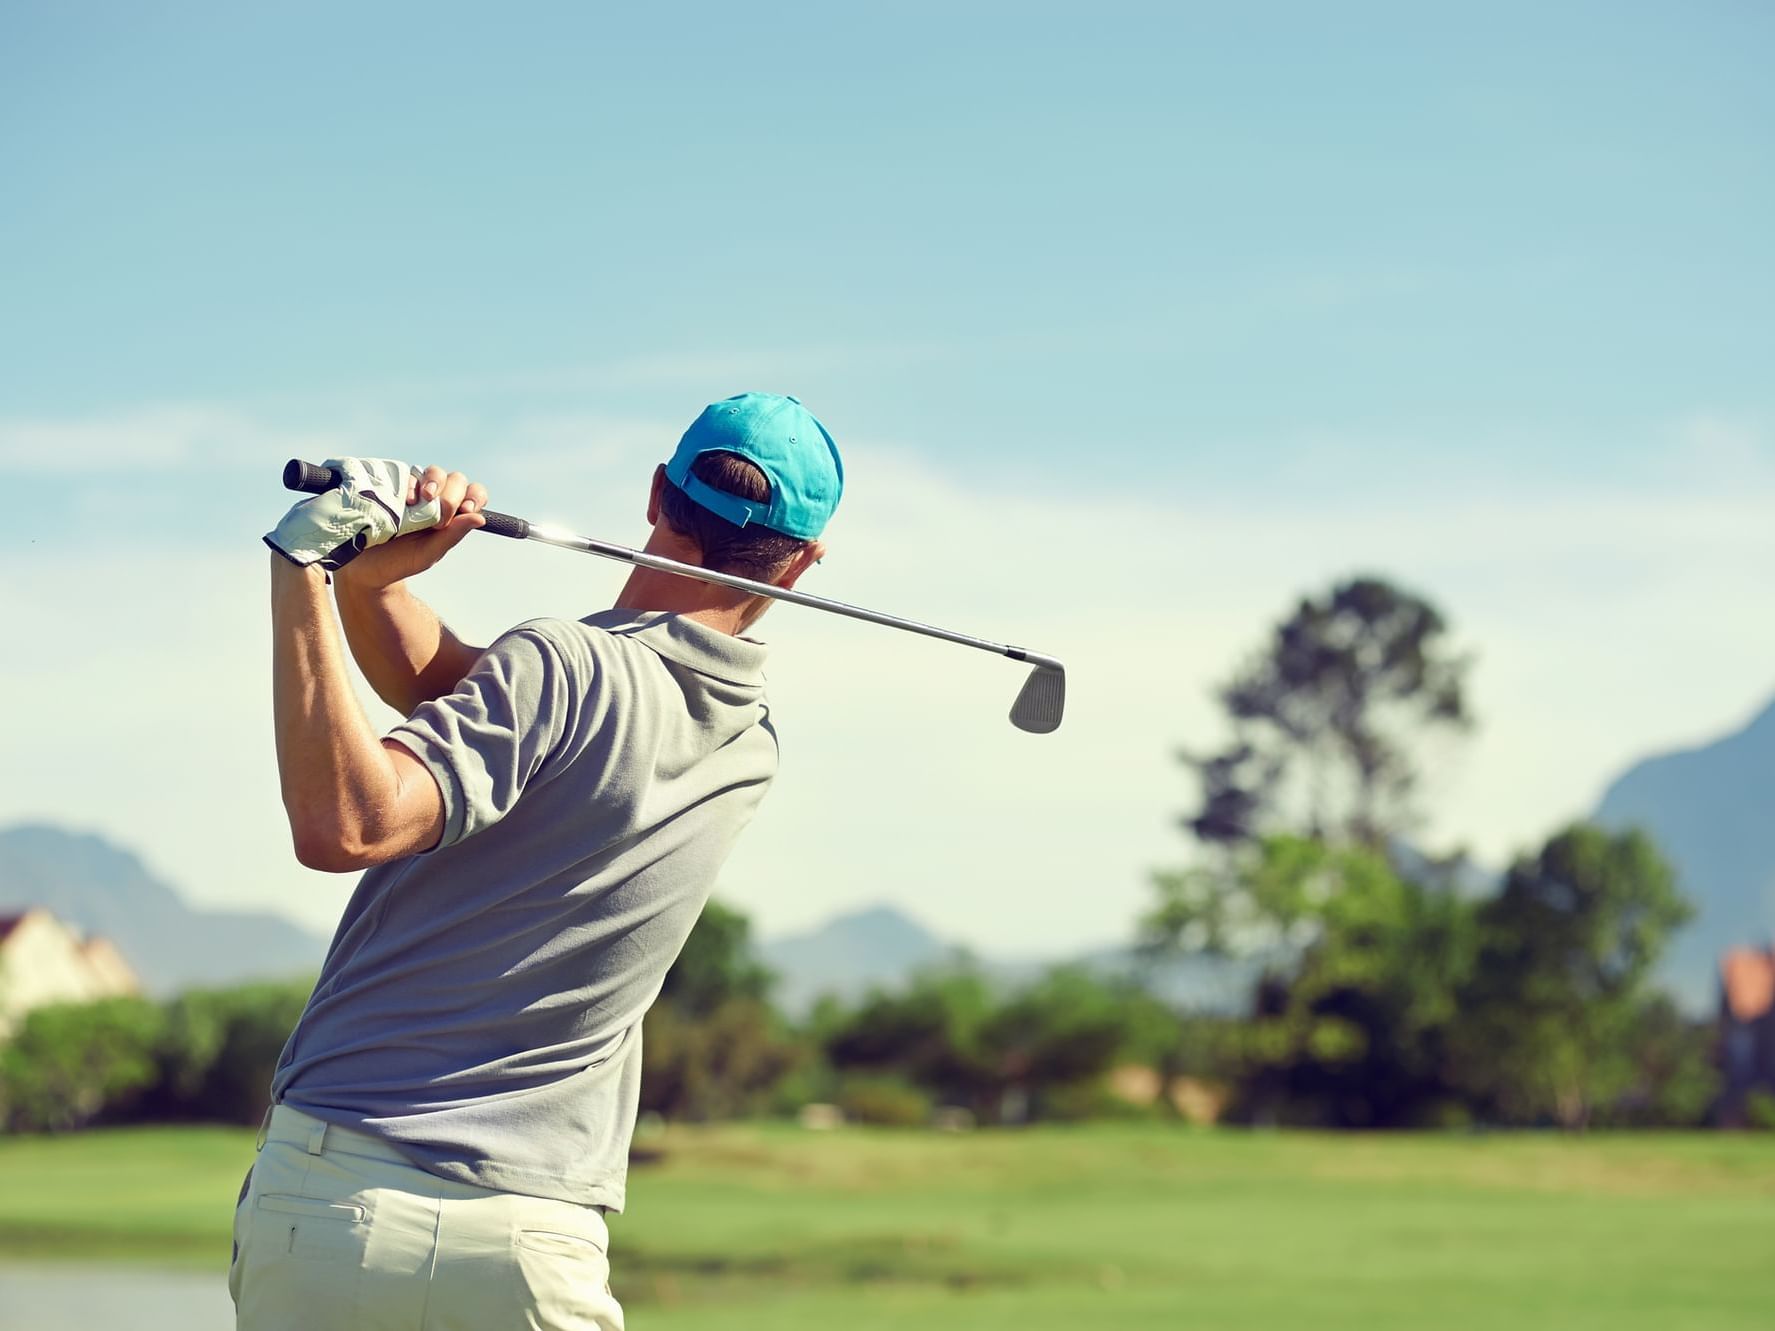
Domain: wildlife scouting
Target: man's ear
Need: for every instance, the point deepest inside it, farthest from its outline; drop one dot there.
(810, 554)
(659, 483)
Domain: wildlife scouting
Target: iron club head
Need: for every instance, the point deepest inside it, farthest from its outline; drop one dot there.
(1042, 700)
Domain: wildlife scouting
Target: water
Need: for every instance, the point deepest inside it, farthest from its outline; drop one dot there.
(59, 1297)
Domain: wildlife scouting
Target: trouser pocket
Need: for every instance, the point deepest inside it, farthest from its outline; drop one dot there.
(560, 1259)
(301, 1258)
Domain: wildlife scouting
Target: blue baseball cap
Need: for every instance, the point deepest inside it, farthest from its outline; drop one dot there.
(782, 439)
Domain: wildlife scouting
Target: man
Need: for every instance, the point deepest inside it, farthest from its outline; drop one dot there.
(453, 1111)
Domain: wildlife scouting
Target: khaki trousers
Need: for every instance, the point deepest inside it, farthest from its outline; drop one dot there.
(337, 1232)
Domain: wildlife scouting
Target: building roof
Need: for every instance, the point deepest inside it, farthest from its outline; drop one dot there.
(10, 922)
(107, 963)
(1747, 982)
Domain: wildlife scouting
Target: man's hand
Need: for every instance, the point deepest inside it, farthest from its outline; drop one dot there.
(460, 503)
(365, 509)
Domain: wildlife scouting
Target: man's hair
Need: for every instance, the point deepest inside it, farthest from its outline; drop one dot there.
(750, 551)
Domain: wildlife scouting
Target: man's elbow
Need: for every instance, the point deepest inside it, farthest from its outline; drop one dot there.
(330, 850)
(345, 847)
(337, 835)
(327, 854)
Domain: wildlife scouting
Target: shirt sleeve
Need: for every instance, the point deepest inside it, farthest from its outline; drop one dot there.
(496, 734)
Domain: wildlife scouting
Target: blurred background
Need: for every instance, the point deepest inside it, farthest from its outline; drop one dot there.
(1371, 405)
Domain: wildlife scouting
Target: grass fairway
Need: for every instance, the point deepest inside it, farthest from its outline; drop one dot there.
(1109, 1226)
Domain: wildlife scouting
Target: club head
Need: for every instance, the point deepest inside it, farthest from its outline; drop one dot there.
(1041, 701)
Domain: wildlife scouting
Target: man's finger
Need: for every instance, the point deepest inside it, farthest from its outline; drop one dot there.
(450, 497)
(475, 499)
(466, 521)
(431, 482)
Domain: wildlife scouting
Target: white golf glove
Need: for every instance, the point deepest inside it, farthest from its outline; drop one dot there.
(366, 509)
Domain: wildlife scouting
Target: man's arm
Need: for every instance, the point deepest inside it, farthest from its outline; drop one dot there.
(406, 652)
(353, 800)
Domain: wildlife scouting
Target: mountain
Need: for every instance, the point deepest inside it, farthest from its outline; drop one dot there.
(851, 954)
(881, 947)
(101, 889)
(1711, 810)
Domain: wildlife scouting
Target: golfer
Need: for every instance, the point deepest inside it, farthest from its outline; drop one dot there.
(452, 1113)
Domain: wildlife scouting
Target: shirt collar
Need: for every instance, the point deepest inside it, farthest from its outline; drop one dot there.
(689, 642)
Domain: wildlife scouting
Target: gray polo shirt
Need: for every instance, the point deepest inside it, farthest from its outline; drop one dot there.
(480, 1007)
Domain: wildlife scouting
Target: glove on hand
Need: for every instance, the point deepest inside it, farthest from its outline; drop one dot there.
(367, 508)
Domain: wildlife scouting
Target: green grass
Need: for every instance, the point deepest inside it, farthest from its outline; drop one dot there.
(1112, 1226)
(163, 1195)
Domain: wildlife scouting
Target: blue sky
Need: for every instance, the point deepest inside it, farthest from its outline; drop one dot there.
(1248, 299)
(1168, 230)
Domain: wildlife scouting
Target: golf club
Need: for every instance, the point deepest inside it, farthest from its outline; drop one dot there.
(1040, 702)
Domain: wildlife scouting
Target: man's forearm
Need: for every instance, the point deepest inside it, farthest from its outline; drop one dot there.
(406, 652)
(335, 775)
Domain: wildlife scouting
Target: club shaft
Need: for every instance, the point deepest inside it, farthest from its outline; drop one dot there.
(608, 550)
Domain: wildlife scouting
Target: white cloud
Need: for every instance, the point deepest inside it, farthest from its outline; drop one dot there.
(1714, 443)
(172, 435)
(1606, 622)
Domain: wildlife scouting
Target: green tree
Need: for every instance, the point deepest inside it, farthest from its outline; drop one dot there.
(1675, 1079)
(1063, 1033)
(723, 1063)
(717, 963)
(928, 1033)
(73, 1064)
(1352, 1020)
(1042, 1049)
(1558, 990)
(220, 1048)
(1302, 814)
(712, 1046)
(1325, 718)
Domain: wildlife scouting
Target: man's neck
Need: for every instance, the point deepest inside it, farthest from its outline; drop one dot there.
(721, 608)
(650, 590)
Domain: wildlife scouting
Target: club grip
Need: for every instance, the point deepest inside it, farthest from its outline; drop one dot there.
(300, 475)
(504, 524)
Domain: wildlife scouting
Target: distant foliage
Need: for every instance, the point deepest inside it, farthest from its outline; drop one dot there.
(1673, 1082)
(885, 1101)
(71, 1065)
(712, 1046)
(716, 965)
(1558, 1020)
(1390, 997)
(1327, 717)
(1065, 1032)
(723, 1063)
(929, 1034)
(221, 1049)
(1352, 1021)
(1388, 1000)
(1033, 1053)
(205, 1056)
(1759, 1111)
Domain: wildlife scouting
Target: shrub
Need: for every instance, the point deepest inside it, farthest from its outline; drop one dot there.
(73, 1064)
(221, 1048)
(884, 1101)
(207, 1055)
(719, 1064)
(1077, 1102)
(1759, 1111)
